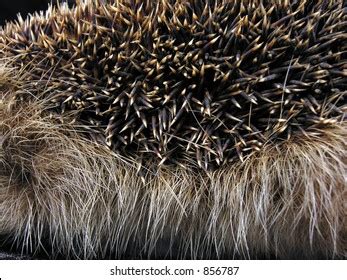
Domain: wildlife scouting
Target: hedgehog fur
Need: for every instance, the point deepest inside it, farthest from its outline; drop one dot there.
(175, 129)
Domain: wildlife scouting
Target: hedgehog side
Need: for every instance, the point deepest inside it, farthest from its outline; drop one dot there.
(63, 195)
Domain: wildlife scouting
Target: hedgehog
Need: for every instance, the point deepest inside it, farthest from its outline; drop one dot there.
(175, 130)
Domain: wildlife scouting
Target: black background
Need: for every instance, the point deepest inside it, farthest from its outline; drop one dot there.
(10, 8)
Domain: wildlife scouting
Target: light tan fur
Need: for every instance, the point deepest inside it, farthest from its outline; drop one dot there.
(62, 193)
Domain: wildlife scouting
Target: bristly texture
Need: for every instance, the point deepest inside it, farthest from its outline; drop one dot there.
(196, 81)
(175, 129)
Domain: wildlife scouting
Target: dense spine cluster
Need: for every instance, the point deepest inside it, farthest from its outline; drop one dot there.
(195, 81)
